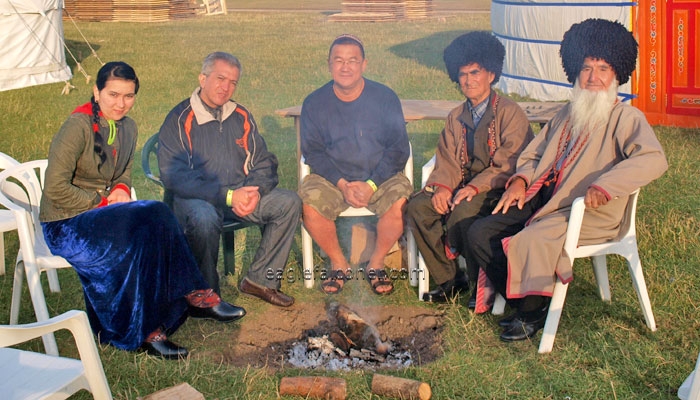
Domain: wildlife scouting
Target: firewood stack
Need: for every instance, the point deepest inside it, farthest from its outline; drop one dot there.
(130, 10)
(382, 10)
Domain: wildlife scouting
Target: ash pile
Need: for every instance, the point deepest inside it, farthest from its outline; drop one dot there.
(346, 341)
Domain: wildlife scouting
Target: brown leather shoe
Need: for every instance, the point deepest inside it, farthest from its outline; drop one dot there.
(271, 296)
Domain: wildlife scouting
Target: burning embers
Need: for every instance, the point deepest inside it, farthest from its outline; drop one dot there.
(348, 342)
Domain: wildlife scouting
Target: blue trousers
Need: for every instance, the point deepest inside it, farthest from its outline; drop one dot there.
(134, 265)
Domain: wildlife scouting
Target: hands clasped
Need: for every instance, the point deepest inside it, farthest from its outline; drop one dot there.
(356, 193)
(244, 200)
(118, 196)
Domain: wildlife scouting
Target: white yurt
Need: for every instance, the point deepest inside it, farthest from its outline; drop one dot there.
(532, 30)
(31, 43)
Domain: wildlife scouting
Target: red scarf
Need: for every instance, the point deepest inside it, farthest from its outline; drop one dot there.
(87, 109)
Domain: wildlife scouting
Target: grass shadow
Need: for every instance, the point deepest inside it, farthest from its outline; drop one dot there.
(428, 50)
(80, 51)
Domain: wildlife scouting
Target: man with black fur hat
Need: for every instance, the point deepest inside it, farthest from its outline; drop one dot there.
(596, 147)
(475, 156)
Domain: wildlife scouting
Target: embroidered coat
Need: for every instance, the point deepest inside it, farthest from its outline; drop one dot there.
(624, 156)
(509, 121)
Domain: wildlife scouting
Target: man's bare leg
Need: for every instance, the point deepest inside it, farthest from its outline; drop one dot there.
(324, 233)
(390, 227)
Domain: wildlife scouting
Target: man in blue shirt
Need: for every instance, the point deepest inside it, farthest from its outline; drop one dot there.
(353, 136)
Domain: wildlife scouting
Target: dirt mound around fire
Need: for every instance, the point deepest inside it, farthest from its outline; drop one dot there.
(265, 338)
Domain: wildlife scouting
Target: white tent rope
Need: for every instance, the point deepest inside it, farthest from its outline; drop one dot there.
(94, 53)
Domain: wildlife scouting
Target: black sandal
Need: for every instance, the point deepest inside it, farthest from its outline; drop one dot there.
(332, 282)
(382, 281)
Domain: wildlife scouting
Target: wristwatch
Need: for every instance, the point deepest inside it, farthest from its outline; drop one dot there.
(429, 189)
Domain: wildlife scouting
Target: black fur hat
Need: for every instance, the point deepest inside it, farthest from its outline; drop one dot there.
(479, 47)
(602, 39)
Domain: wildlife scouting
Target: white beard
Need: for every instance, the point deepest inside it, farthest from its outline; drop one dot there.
(590, 110)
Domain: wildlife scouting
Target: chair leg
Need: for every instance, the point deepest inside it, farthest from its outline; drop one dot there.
(600, 270)
(94, 372)
(16, 292)
(423, 276)
(52, 276)
(307, 252)
(39, 302)
(229, 244)
(412, 258)
(635, 267)
(694, 393)
(499, 305)
(2, 252)
(552, 323)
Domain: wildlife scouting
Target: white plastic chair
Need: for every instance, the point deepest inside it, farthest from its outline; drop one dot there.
(28, 375)
(625, 246)
(35, 255)
(423, 273)
(307, 242)
(7, 219)
(690, 389)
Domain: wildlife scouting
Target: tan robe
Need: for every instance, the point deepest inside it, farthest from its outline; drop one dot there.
(620, 159)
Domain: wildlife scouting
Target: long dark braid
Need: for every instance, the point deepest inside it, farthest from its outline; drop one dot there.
(99, 143)
(113, 69)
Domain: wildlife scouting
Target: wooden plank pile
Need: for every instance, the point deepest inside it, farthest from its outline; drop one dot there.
(130, 10)
(418, 9)
(382, 10)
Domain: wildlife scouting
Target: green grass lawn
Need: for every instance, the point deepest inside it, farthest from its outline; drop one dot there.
(602, 351)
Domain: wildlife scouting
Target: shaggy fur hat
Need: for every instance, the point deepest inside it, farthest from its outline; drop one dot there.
(602, 39)
(479, 47)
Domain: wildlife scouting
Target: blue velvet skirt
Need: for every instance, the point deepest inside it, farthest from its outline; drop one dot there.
(135, 266)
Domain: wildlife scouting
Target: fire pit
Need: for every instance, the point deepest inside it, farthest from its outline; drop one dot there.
(294, 337)
(346, 341)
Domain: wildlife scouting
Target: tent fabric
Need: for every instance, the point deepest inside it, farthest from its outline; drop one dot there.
(532, 30)
(31, 43)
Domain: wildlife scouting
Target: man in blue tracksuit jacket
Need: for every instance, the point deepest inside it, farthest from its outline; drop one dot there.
(216, 165)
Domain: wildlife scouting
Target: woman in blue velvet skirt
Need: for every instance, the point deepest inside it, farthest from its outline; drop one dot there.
(139, 278)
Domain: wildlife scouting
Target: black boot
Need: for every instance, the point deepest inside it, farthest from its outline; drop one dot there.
(444, 292)
(527, 322)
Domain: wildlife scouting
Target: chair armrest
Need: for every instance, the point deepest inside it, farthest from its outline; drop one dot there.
(573, 231)
(304, 168)
(408, 168)
(77, 323)
(73, 320)
(151, 147)
(426, 171)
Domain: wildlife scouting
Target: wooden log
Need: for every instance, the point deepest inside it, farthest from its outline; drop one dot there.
(361, 333)
(314, 387)
(391, 386)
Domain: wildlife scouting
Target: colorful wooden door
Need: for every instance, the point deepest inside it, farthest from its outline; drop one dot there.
(683, 57)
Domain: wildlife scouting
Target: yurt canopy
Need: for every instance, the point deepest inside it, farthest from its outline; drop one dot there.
(31, 43)
(532, 30)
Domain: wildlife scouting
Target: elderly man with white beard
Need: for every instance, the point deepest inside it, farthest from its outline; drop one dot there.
(596, 147)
